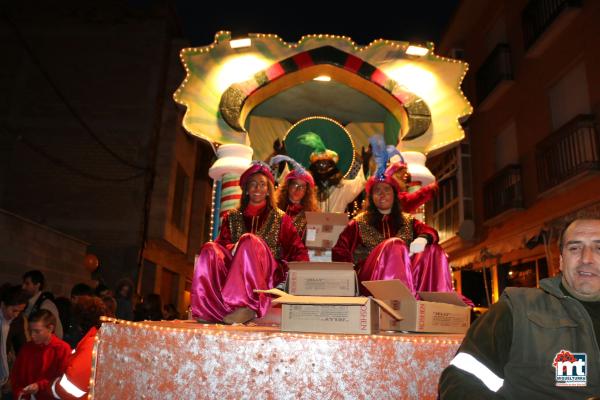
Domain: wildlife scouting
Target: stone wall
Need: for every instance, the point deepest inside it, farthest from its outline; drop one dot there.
(26, 245)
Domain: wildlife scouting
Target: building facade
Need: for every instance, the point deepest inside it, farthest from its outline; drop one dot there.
(531, 158)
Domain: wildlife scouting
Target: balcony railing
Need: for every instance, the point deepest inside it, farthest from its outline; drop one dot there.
(503, 191)
(571, 150)
(495, 69)
(538, 15)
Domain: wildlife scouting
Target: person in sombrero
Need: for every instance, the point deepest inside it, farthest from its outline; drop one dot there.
(386, 243)
(334, 193)
(251, 252)
(296, 194)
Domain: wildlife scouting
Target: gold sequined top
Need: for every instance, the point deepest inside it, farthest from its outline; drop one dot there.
(269, 231)
(300, 223)
(371, 236)
(296, 213)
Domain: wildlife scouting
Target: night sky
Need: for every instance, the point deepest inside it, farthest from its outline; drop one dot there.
(423, 20)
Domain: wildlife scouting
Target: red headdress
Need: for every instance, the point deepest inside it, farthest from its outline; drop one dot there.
(256, 167)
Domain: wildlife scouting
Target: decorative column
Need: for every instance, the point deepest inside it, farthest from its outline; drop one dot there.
(232, 161)
(420, 175)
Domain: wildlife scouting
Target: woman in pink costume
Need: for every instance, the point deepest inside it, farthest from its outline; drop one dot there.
(386, 243)
(251, 252)
(297, 193)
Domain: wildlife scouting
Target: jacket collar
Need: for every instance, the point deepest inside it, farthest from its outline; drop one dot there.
(552, 286)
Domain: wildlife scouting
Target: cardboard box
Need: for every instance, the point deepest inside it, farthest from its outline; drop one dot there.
(322, 279)
(323, 229)
(319, 314)
(439, 312)
(319, 255)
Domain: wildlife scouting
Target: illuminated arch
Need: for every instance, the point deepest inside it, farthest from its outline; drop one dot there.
(410, 110)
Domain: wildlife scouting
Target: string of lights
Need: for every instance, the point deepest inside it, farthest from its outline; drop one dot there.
(245, 333)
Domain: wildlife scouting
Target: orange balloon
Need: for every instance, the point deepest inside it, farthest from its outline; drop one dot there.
(91, 262)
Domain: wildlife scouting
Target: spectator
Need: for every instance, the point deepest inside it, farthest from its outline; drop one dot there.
(33, 283)
(40, 361)
(170, 312)
(538, 343)
(102, 290)
(111, 305)
(63, 305)
(81, 289)
(72, 331)
(149, 309)
(12, 332)
(124, 294)
(75, 382)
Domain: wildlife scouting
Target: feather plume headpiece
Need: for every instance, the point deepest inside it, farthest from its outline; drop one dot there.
(381, 156)
(320, 152)
(298, 171)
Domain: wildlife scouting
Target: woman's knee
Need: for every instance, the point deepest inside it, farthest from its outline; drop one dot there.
(393, 242)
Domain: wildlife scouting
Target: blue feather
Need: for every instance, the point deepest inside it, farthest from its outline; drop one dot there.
(380, 154)
(392, 151)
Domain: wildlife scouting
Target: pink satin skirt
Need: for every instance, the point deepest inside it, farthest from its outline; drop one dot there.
(223, 282)
(427, 271)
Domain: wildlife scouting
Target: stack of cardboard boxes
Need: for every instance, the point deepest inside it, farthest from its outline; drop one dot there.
(323, 296)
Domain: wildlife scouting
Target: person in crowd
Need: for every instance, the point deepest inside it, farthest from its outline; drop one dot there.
(251, 252)
(124, 293)
(33, 284)
(297, 193)
(39, 361)
(63, 305)
(111, 305)
(102, 290)
(75, 382)
(334, 193)
(81, 289)
(13, 301)
(170, 312)
(72, 331)
(538, 343)
(385, 243)
(150, 309)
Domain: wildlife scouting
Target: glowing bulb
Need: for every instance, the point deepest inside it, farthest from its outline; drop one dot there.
(322, 78)
(240, 43)
(413, 50)
(239, 69)
(415, 78)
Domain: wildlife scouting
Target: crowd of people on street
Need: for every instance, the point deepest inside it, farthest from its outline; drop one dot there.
(46, 340)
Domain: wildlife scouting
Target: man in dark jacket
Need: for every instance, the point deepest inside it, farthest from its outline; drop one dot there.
(538, 343)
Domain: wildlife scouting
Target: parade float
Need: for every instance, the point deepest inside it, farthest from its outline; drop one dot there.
(241, 96)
